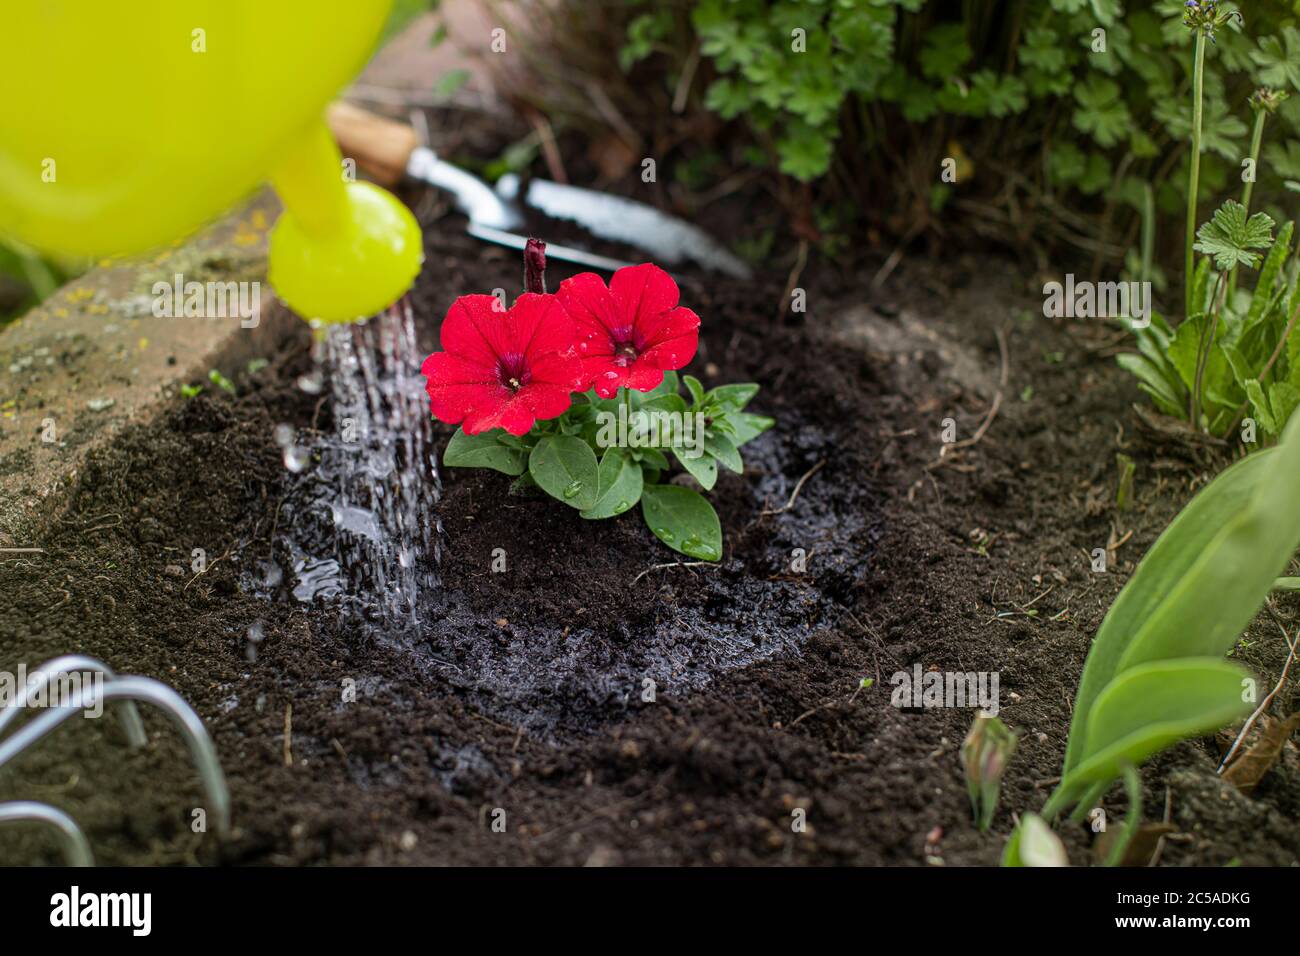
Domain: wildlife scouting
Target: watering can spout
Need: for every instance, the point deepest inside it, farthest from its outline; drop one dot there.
(342, 250)
(152, 119)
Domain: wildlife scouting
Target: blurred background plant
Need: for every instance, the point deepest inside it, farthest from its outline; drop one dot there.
(26, 278)
(1057, 114)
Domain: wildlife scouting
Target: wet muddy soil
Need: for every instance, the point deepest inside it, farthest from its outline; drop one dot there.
(602, 700)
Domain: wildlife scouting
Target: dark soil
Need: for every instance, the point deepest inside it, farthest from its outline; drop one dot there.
(522, 691)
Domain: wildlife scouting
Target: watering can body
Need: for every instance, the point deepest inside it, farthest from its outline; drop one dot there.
(129, 125)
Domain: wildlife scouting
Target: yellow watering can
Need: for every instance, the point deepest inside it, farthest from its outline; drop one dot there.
(126, 125)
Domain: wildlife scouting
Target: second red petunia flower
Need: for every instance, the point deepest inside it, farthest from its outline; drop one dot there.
(631, 332)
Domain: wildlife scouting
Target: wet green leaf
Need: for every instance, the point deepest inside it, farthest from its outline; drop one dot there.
(683, 520)
(620, 485)
(565, 468)
(484, 450)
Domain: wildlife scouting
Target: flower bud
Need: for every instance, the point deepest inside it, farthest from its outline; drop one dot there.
(986, 752)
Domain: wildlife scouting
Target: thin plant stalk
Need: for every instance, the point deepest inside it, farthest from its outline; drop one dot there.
(1256, 137)
(1132, 819)
(1148, 230)
(1204, 347)
(1194, 176)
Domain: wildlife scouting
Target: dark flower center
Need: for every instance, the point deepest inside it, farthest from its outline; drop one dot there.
(512, 372)
(625, 354)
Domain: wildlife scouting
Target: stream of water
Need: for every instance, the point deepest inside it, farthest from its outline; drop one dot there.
(373, 477)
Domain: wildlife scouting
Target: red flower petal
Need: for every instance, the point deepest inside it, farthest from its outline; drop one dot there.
(672, 343)
(539, 325)
(503, 369)
(630, 332)
(593, 310)
(475, 329)
(643, 292)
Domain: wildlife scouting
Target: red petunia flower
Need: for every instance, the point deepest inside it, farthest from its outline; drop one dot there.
(503, 369)
(630, 333)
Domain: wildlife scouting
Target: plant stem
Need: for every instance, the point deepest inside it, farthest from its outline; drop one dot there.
(1193, 185)
(1256, 137)
(1203, 349)
(1148, 230)
(1132, 819)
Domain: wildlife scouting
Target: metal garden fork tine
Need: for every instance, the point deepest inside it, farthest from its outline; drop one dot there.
(161, 696)
(67, 663)
(76, 848)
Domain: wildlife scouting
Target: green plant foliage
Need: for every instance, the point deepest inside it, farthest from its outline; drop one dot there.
(795, 68)
(1230, 236)
(583, 460)
(1230, 361)
(1156, 672)
(1251, 366)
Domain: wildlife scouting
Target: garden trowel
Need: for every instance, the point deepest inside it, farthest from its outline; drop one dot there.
(389, 151)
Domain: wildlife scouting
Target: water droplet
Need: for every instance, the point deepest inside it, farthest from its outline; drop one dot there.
(295, 458)
(572, 489)
(621, 507)
(312, 382)
(664, 534)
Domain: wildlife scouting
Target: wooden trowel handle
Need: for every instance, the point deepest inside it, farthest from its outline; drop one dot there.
(381, 147)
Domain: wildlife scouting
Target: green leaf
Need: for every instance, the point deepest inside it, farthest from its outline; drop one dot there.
(1283, 397)
(1262, 297)
(695, 388)
(945, 52)
(702, 467)
(484, 450)
(1203, 580)
(667, 387)
(651, 458)
(1279, 64)
(733, 397)
(1230, 234)
(1066, 163)
(1220, 129)
(1260, 408)
(673, 403)
(1153, 706)
(805, 151)
(1102, 113)
(746, 427)
(724, 450)
(565, 468)
(450, 82)
(1152, 382)
(620, 485)
(1005, 95)
(683, 520)
(1183, 349)
(1041, 50)
(1284, 160)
